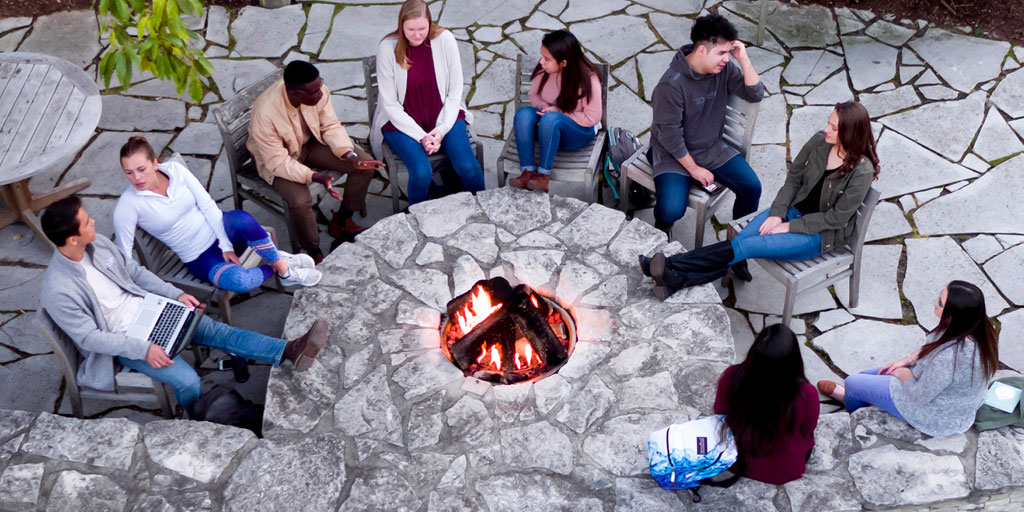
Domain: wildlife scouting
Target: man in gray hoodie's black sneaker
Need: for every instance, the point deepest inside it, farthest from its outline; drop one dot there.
(689, 113)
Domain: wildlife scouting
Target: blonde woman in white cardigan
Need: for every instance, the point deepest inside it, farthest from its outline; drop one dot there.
(419, 106)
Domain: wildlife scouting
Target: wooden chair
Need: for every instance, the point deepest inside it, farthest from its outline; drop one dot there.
(160, 260)
(129, 386)
(396, 168)
(575, 173)
(740, 118)
(809, 276)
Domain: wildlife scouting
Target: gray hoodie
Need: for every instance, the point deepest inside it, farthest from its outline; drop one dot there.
(689, 114)
(69, 299)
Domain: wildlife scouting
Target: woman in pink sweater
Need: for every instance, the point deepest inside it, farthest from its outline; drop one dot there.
(565, 111)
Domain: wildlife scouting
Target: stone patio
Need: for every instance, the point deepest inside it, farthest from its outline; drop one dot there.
(949, 211)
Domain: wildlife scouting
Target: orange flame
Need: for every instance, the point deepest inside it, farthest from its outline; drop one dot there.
(496, 357)
(478, 309)
(533, 299)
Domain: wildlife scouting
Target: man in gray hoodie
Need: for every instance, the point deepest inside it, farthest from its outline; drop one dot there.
(92, 292)
(689, 114)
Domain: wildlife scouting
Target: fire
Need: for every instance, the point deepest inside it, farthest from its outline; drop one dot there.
(478, 309)
(524, 355)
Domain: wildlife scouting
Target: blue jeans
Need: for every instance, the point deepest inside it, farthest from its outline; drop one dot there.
(455, 145)
(243, 231)
(781, 246)
(209, 333)
(870, 388)
(673, 189)
(553, 131)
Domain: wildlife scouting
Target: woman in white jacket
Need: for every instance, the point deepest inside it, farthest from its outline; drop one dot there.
(419, 108)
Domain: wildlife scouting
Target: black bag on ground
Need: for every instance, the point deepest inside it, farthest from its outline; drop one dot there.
(226, 406)
(621, 145)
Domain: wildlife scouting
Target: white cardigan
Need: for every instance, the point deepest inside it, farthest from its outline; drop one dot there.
(391, 82)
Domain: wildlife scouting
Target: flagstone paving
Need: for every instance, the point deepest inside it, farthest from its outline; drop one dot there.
(947, 110)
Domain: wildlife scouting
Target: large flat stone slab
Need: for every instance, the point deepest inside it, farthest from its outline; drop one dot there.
(619, 446)
(972, 209)
(675, 30)
(909, 167)
(813, 493)
(870, 62)
(879, 292)
(996, 139)
(199, 450)
(74, 491)
(808, 25)
(832, 91)
(614, 38)
(804, 122)
(495, 85)
(586, 9)
(890, 33)
(232, 76)
(260, 32)
(1011, 339)
(1000, 459)
(888, 476)
(925, 124)
(71, 35)
(309, 471)
(1006, 272)
(772, 116)
(931, 264)
(363, 26)
(887, 102)
(596, 226)
(198, 139)
(1009, 94)
(811, 66)
(508, 492)
(392, 238)
(518, 211)
(887, 221)
(107, 443)
(124, 113)
(962, 61)
(877, 343)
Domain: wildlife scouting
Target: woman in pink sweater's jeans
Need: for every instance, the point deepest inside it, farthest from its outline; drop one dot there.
(565, 111)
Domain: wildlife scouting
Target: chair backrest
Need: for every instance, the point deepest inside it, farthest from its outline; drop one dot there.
(65, 349)
(370, 76)
(524, 79)
(864, 213)
(740, 118)
(232, 119)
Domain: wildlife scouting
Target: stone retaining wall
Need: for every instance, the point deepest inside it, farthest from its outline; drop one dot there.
(864, 461)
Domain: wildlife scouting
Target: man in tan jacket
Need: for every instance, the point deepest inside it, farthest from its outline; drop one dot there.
(294, 127)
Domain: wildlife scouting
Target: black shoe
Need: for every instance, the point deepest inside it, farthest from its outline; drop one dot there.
(742, 272)
(645, 265)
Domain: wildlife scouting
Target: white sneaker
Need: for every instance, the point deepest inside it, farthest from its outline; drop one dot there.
(301, 277)
(300, 260)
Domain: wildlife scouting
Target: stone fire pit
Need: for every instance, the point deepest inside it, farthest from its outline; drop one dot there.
(414, 430)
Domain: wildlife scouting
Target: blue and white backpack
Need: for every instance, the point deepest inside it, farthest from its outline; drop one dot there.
(683, 455)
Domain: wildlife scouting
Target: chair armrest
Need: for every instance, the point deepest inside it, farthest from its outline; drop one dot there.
(638, 154)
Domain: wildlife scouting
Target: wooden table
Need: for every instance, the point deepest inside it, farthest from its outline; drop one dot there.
(49, 109)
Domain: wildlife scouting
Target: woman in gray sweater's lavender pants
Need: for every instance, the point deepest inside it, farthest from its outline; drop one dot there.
(939, 387)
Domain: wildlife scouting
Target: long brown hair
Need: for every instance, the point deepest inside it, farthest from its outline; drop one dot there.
(562, 45)
(855, 137)
(762, 391)
(963, 316)
(411, 10)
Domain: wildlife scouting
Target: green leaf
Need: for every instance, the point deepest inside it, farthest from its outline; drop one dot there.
(134, 58)
(124, 70)
(121, 11)
(204, 66)
(103, 7)
(138, 6)
(158, 14)
(142, 27)
(195, 86)
(106, 68)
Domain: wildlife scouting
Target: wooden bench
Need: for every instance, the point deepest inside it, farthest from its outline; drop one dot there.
(575, 173)
(738, 132)
(809, 276)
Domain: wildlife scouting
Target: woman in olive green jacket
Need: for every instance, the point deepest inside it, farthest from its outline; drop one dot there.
(814, 211)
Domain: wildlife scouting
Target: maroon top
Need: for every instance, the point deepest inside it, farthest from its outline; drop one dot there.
(790, 459)
(423, 101)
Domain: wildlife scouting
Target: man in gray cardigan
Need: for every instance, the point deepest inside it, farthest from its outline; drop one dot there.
(92, 292)
(689, 106)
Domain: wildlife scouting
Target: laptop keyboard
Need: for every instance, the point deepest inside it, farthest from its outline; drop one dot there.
(163, 331)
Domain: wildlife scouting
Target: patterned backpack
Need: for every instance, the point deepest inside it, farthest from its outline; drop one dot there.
(682, 456)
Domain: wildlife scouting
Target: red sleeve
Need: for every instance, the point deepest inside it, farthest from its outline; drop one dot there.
(720, 392)
(812, 408)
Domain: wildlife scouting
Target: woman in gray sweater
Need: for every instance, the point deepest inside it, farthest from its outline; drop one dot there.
(939, 387)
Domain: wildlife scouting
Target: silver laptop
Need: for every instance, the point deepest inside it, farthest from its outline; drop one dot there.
(165, 322)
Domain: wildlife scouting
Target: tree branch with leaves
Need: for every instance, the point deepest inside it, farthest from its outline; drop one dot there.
(160, 44)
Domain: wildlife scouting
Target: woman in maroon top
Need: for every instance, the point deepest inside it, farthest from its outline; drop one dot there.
(419, 109)
(770, 407)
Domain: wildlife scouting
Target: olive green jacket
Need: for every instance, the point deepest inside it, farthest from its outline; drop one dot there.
(840, 196)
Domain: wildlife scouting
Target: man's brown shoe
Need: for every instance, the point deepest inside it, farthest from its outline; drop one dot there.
(344, 228)
(539, 182)
(522, 180)
(303, 350)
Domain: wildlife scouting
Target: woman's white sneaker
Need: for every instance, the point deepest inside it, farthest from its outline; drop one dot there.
(301, 277)
(300, 260)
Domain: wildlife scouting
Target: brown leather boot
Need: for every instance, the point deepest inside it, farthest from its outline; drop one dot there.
(303, 350)
(522, 180)
(342, 225)
(539, 182)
